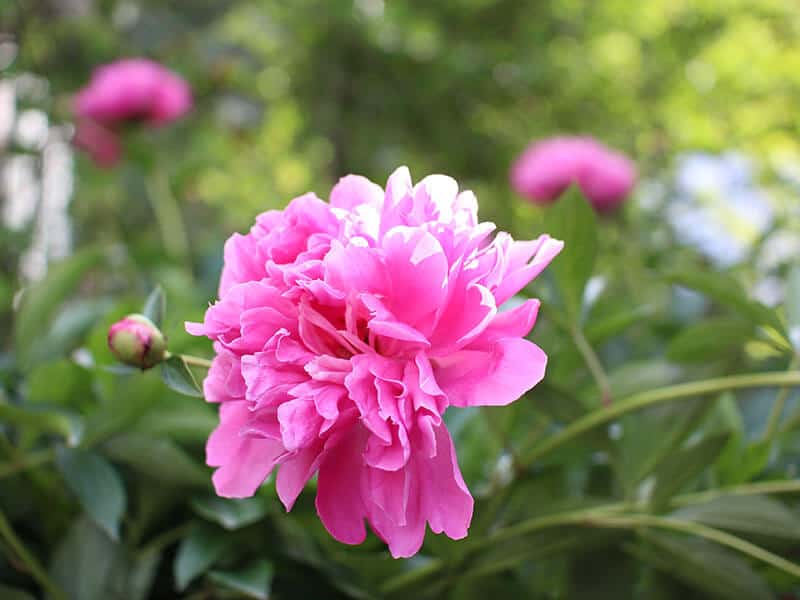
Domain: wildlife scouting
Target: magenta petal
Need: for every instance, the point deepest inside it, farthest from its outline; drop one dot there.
(244, 462)
(339, 502)
(493, 377)
(294, 473)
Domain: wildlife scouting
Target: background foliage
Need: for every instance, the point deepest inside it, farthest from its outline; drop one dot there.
(102, 487)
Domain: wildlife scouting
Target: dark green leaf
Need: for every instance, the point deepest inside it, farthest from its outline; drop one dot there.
(176, 374)
(155, 306)
(38, 418)
(158, 458)
(757, 515)
(88, 565)
(681, 467)
(95, 483)
(254, 581)
(229, 512)
(196, 553)
(573, 221)
(40, 301)
(702, 565)
(711, 339)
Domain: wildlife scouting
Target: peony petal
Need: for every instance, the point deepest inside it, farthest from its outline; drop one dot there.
(493, 377)
(339, 502)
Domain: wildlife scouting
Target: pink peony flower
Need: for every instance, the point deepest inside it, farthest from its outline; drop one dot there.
(547, 168)
(343, 332)
(134, 89)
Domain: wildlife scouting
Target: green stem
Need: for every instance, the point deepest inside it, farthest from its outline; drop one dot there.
(657, 396)
(593, 363)
(777, 407)
(29, 560)
(196, 361)
(703, 531)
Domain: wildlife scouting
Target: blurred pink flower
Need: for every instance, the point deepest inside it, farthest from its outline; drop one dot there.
(134, 89)
(548, 167)
(100, 143)
(343, 332)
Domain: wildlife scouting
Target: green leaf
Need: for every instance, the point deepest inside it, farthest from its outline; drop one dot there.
(96, 484)
(254, 581)
(88, 565)
(681, 467)
(702, 565)
(598, 330)
(641, 375)
(230, 513)
(159, 458)
(711, 339)
(727, 291)
(793, 306)
(38, 418)
(155, 307)
(572, 220)
(196, 553)
(41, 300)
(756, 515)
(177, 375)
(740, 461)
(652, 436)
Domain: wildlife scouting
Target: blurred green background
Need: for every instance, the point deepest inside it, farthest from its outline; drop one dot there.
(101, 471)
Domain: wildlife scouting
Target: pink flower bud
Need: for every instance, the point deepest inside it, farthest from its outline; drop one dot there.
(548, 167)
(136, 341)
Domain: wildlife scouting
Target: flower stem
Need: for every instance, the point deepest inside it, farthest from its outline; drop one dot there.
(704, 531)
(29, 560)
(196, 361)
(657, 396)
(593, 363)
(790, 486)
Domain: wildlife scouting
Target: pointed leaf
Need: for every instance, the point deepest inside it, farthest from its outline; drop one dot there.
(177, 375)
(41, 300)
(758, 515)
(158, 458)
(572, 220)
(231, 513)
(196, 553)
(254, 581)
(710, 339)
(88, 565)
(702, 565)
(96, 484)
(155, 307)
(681, 467)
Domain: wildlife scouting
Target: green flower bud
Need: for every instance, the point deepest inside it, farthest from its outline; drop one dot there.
(136, 341)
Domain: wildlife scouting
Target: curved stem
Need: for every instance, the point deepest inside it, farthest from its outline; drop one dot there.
(657, 396)
(703, 531)
(29, 560)
(593, 363)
